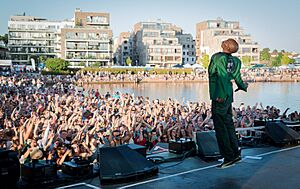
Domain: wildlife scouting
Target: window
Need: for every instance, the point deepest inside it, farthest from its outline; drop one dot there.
(183, 46)
(183, 53)
(188, 46)
(97, 19)
(103, 46)
(177, 50)
(246, 50)
(12, 26)
(169, 58)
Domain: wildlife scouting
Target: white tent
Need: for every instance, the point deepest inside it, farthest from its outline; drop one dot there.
(197, 66)
(187, 66)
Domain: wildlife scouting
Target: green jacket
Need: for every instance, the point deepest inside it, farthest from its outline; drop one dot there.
(224, 68)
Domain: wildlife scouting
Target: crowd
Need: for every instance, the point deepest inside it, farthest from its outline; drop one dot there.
(261, 74)
(145, 76)
(58, 122)
(85, 77)
(271, 74)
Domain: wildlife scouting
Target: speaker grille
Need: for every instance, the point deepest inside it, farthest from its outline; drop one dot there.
(121, 162)
(280, 133)
(207, 144)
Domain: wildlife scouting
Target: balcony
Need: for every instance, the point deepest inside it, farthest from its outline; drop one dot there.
(101, 40)
(31, 45)
(32, 29)
(89, 49)
(98, 23)
(89, 57)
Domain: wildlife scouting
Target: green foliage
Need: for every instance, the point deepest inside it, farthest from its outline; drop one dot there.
(277, 60)
(56, 64)
(281, 57)
(4, 38)
(42, 59)
(128, 61)
(95, 65)
(205, 60)
(246, 60)
(81, 64)
(292, 61)
(78, 22)
(265, 55)
(285, 60)
(56, 72)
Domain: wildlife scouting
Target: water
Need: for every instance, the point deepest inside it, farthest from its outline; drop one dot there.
(281, 95)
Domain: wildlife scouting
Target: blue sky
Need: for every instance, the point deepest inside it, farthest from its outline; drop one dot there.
(272, 23)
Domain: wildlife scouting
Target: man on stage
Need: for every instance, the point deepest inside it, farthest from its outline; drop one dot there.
(224, 68)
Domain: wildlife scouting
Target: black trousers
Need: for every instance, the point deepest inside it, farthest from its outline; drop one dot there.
(225, 131)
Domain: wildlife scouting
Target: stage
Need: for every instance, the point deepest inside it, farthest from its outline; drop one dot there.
(264, 167)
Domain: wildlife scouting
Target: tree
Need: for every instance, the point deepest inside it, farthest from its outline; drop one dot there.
(42, 59)
(265, 55)
(277, 60)
(246, 60)
(4, 38)
(128, 61)
(205, 60)
(56, 64)
(292, 61)
(285, 60)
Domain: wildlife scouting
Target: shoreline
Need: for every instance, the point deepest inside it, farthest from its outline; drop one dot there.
(277, 80)
(184, 81)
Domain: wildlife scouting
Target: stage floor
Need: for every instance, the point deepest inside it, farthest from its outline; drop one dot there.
(265, 167)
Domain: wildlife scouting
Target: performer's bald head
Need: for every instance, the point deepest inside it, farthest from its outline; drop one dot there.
(230, 46)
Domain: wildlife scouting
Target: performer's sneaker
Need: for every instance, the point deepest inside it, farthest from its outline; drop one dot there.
(226, 164)
(237, 159)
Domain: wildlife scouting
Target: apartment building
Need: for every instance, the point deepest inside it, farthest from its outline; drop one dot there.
(83, 41)
(156, 44)
(5, 60)
(4, 53)
(211, 33)
(32, 37)
(188, 48)
(89, 42)
(124, 48)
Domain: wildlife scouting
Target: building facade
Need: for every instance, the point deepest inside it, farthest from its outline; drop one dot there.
(211, 33)
(83, 41)
(188, 48)
(89, 43)
(124, 48)
(32, 37)
(155, 44)
(5, 59)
